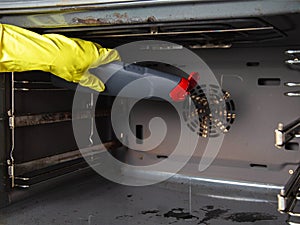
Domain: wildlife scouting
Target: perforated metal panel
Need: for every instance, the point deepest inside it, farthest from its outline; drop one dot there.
(248, 152)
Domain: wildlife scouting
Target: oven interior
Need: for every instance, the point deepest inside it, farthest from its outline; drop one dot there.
(254, 59)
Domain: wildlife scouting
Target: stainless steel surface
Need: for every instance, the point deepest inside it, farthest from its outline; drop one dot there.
(223, 189)
(295, 214)
(31, 173)
(293, 223)
(292, 93)
(49, 118)
(292, 52)
(284, 134)
(289, 197)
(61, 158)
(32, 82)
(279, 137)
(91, 107)
(295, 55)
(292, 61)
(247, 152)
(94, 200)
(40, 89)
(7, 4)
(33, 85)
(63, 15)
(22, 178)
(22, 186)
(281, 203)
(210, 46)
(249, 29)
(11, 114)
(292, 84)
(247, 168)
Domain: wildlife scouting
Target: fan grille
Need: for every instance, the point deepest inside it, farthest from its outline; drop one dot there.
(212, 113)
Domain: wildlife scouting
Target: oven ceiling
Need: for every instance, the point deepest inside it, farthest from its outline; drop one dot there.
(191, 23)
(54, 13)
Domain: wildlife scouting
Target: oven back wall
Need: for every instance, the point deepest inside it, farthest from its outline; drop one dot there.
(248, 152)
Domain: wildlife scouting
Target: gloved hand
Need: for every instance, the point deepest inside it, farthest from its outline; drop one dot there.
(68, 58)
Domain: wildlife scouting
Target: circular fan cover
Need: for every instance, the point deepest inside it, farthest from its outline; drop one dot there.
(212, 113)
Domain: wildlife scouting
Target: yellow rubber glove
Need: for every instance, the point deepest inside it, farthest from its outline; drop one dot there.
(68, 58)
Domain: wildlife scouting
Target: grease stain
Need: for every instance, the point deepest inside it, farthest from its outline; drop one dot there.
(252, 217)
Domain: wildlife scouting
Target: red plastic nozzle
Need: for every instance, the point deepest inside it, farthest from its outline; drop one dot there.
(180, 91)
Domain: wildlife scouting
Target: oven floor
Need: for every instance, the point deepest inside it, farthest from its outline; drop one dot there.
(91, 200)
